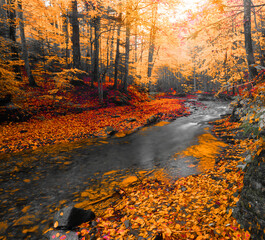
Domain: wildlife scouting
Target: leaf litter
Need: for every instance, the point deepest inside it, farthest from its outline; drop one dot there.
(159, 207)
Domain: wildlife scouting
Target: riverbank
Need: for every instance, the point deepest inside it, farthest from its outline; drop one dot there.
(117, 121)
(195, 207)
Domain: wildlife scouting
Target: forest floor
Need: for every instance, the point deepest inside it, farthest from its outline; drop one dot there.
(63, 116)
(152, 205)
(194, 207)
(155, 207)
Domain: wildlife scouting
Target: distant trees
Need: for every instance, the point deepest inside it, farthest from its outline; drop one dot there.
(130, 41)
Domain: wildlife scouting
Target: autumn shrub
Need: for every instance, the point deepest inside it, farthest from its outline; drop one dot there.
(68, 77)
(8, 84)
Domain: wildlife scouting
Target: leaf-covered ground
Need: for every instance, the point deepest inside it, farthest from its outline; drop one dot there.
(195, 207)
(57, 120)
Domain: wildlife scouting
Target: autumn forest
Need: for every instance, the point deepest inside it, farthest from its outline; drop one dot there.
(86, 74)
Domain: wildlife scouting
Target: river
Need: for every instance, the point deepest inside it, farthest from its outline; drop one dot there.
(36, 183)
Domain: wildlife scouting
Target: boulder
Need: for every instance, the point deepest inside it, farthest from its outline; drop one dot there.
(131, 119)
(250, 209)
(61, 235)
(13, 113)
(152, 120)
(77, 83)
(110, 130)
(71, 217)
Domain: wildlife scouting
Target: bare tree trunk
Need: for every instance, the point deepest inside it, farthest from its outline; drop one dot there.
(136, 44)
(65, 29)
(75, 36)
(127, 56)
(152, 41)
(248, 39)
(24, 46)
(112, 48)
(117, 58)
(258, 40)
(12, 35)
(96, 78)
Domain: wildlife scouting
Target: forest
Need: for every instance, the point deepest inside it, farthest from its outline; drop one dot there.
(93, 70)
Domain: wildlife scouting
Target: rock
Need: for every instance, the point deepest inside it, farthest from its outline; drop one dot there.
(250, 209)
(77, 83)
(13, 113)
(127, 223)
(110, 130)
(131, 119)
(61, 235)
(152, 119)
(70, 217)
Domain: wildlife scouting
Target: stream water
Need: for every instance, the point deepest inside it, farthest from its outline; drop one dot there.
(35, 183)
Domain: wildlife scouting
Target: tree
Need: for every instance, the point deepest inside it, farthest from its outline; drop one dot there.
(12, 35)
(24, 45)
(248, 39)
(117, 57)
(75, 36)
(127, 51)
(152, 40)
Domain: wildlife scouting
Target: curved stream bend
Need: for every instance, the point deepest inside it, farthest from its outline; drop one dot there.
(37, 181)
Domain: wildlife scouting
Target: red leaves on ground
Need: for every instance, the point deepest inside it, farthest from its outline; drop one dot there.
(46, 129)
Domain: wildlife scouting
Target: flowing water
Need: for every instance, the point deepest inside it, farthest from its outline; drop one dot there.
(35, 183)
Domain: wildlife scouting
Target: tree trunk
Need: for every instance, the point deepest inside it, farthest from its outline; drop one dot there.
(152, 41)
(117, 58)
(12, 36)
(258, 40)
(96, 23)
(127, 56)
(24, 46)
(112, 49)
(65, 30)
(248, 39)
(135, 45)
(75, 36)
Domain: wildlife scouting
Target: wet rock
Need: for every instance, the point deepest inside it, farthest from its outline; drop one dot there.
(131, 119)
(61, 235)
(250, 209)
(110, 130)
(71, 217)
(152, 119)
